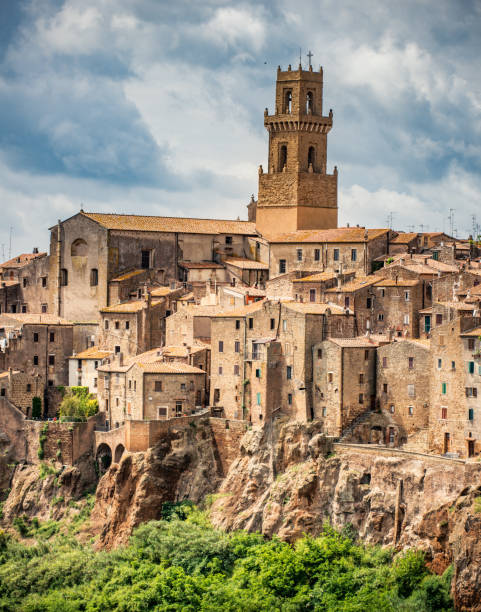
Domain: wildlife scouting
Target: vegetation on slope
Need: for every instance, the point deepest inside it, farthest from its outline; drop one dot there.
(187, 565)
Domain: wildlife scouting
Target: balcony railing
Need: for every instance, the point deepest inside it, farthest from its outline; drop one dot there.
(255, 356)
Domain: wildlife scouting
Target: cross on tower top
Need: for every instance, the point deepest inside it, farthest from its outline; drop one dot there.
(309, 55)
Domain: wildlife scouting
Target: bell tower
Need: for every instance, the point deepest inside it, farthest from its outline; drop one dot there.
(296, 193)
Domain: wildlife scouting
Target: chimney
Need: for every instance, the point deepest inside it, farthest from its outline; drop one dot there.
(35, 250)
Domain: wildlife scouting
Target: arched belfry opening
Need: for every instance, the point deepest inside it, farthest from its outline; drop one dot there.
(288, 102)
(309, 103)
(311, 158)
(282, 157)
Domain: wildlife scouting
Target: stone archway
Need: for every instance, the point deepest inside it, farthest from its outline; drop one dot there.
(119, 451)
(103, 457)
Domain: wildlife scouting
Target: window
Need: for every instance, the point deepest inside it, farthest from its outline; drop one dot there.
(273, 323)
(471, 414)
(353, 254)
(24, 308)
(324, 411)
(346, 302)
(2, 392)
(382, 292)
(145, 260)
(319, 353)
(251, 323)
(336, 254)
(407, 296)
(410, 410)
(237, 324)
(63, 277)
(369, 302)
(127, 324)
(317, 254)
(288, 101)
(392, 409)
(406, 319)
(44, 308)
(236, 370)
(471, 392)
(441, 340)
(299, 254)
(117, 349)
(361, 398)
(330, 377)
(284, 324)
(361, 378)
(35, 360)
(117, 324)
(384, 387)
(471, 367)
(471, 344)
(220, 370)
(44, 281)
(310, 106)
(228, 239)
(35, 337)
(282, 266)
(282, 157)
(289, 399)
(258, 372)
(29, 388)
(95, 382)
(96, 364)
(25, 282)
(427, 324)
(444, 413)
(50, 383)
(411, 391)
(439, 319)
(106, 324)
(380, 317)
(221, 346)
(51, 360)
(443, 388)
(178, 408)
(135, 385)
(52, 337)
(312, 295)
(366, 355)
(94, 277)
(289, 372)
(411, 362)
(436, 255)
(258, 398)
(157, 386)
(440, 363)
(237, 346)
(183, 387)
(384, 362)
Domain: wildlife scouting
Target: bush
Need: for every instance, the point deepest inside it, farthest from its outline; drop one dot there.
(78, 405)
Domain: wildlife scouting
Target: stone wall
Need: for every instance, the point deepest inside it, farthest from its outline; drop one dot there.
(227, 435)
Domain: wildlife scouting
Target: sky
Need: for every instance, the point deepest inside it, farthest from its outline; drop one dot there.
(156, 107)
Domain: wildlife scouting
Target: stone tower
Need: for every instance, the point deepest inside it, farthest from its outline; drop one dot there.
(296, 193)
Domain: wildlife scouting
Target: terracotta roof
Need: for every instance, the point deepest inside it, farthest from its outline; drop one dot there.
(21, 260)
(440, 265)
(9, 283)
(314, 308)
(34, 319)
(359, 342)
(400, 282)
(426, 310)
(457, 305)
(127, 275)
(313, 278)
(342, 234)
(243, 290)
(129, 307)
(174, 367)
(242, 312)
(141, 223)
(199, 265)
(404, 238)
(472, 333)
(93, 352)
(162, 291)
(356, 284)
(246, 264)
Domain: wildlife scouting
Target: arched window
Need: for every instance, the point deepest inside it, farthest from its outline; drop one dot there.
(282, 157)
(63, 277)
(94, 277)
(311, 157)
(288, 102)
(309, 103)
(79, 248)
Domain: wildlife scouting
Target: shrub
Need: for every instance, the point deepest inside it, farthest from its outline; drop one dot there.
(78, 404)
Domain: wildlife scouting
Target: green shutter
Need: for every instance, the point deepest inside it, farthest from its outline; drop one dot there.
(443, 388)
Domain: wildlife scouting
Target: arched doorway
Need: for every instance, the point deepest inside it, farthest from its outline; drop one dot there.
(104, 458)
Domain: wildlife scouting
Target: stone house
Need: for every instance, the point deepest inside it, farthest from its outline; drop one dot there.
(344, 381)
(356, 296)
(455, 419)
(189, 323)
(83, 368)
(395, 305)
(20, 388)
(403, 388)
(24, 284)
(405, 242)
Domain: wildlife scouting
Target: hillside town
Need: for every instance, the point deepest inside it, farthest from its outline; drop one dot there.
(372, 332)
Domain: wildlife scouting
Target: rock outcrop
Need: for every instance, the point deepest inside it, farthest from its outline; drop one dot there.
(182, 466)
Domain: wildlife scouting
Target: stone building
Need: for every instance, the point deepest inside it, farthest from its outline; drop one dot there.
(189, 323)
(24, 284)
(344, 381)
(403, 389)
(296, 193)
(395, 306)
(455, 418)
(83, 368)
(20, 388)
(90, 250)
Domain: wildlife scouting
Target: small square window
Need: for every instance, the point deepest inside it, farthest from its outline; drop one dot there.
(51, 360)
(221, 346)
(117, 349)
(258, 372)
(237, 346)
(317, 254)
(289, 399)
(228, 239)
(273, 324)
(411, 410)
(183, 387)
(220, 370)
(35, 360)
(289, 372)
(384, 387)
(117, 324)
(127, 324)
(157, 386)
(236, 370)
(251, 323)
(237, 324)
(392, 409)
(361, 398)
(52, 336)
(319, 353)
(35, 337)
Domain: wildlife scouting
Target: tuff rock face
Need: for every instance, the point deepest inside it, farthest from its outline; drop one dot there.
(182, 466)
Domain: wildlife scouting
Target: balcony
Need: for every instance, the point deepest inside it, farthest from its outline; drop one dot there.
(255, 356)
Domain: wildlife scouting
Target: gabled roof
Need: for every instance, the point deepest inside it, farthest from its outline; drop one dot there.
(174, 367)
(356, 284)
(199, 265)
(21, 260)
(32, 319)
(314, 308)
(404, 238)
(242, 312)
(400, 282)
(185, 225)
(130, 307)
(316, 278)
(127, 275)
(246, 264)
(341, 234)
(94, 352)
